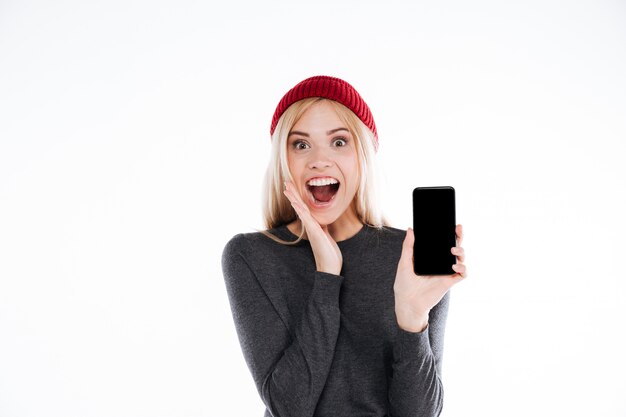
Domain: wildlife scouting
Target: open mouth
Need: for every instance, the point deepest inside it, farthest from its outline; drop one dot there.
(322, 189)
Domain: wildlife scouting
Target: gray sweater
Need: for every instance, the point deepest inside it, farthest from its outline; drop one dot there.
(320, 344)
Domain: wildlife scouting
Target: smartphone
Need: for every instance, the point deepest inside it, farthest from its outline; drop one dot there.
(434, 228)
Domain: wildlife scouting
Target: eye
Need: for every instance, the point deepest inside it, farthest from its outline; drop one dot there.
(340, 142)
(300, 144)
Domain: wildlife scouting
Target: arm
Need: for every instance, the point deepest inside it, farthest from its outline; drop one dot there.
(289, 372)
(415, 388)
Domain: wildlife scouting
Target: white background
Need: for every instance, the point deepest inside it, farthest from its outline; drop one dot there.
(133, 140)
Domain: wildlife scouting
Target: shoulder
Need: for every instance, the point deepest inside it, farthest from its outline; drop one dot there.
(254, 254)
(236, 255)
(235, 246)
(393, 232)
(389, 234)
(246, 244)
(386, 241)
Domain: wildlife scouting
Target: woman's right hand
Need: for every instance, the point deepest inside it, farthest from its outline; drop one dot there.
(325, 250)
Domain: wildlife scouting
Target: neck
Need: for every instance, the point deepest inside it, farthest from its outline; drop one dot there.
(345, 227)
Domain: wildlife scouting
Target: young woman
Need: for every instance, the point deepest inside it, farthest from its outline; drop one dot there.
(331, 318)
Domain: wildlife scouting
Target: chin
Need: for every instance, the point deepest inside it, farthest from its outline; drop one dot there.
(325, 219)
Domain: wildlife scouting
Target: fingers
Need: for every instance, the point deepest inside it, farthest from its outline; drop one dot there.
(460, 270)
(459, 252)
(302, 210)
(459, 267)
(295, 199)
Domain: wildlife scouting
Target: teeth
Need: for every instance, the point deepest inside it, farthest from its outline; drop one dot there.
(322, 181)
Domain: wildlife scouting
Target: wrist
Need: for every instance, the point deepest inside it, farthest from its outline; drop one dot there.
(411, 321)
(414, 328)
(329, 270)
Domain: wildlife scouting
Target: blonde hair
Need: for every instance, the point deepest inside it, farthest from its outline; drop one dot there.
(277, 209)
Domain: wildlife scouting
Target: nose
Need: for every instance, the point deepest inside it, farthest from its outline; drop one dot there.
(319, 159)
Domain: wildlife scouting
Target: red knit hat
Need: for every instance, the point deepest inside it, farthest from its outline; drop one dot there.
(331, 88)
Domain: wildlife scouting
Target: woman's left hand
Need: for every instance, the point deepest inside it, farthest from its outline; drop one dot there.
(416, 295)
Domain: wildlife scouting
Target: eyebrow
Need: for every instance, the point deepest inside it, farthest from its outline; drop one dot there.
(330, 132)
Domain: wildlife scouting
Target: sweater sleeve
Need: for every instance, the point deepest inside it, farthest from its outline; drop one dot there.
(415, 388)
(289, 372)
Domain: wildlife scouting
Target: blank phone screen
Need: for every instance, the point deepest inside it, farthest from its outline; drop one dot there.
(434, 225)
